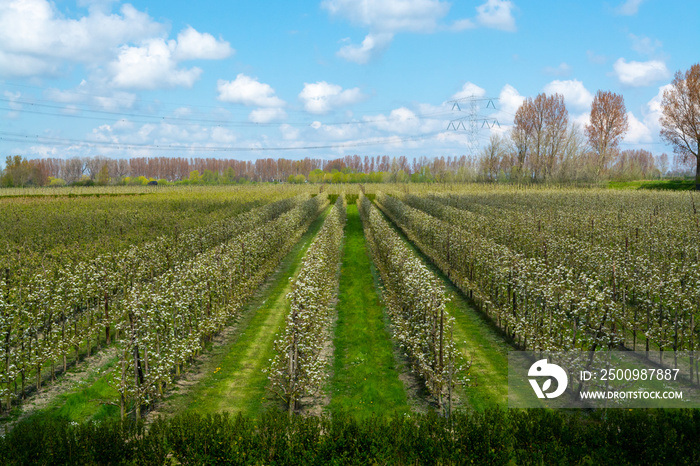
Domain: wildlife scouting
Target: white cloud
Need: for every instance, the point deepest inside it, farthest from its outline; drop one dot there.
(644, 45)
(462, 25)
(150, 66)
(12, 97)
(629, 7)
(385, 18)
(562, 70)
(164, 134)
(582, 120)
(266, 115)
(154, 63)
(248, 91)
(468, 90)
(97, 92)
(372, 45)
(652, 113)
(36, 40)
(574, 92)
(222, 135)
(404, 121)
(635, 73)
(637, 131)
(321, 97)
(509, 100)
(13, 104)
(496, 14)
(195, 45)
(336, 132)
(390, 15)
(289, 133)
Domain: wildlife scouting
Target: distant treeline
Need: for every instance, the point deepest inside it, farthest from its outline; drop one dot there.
(494, 163)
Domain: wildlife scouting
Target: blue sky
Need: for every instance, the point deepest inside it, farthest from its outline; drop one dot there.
(251, 79)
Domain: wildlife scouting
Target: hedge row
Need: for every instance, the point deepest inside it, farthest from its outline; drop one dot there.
(495, 436)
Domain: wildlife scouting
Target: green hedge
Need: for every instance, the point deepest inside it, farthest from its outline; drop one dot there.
(495, 436)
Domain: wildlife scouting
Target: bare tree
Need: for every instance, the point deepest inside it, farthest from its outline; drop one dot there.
(539, 134)
(121, 168)
(73, 169)
(662, 163)
(491, 158)
(608, 126)
(680, 120)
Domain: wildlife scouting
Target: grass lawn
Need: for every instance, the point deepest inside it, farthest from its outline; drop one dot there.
(365, 377)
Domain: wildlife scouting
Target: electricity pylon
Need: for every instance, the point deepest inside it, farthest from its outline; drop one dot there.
(474, 121)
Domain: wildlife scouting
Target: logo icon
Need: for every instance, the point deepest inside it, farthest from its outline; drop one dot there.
(542, 368)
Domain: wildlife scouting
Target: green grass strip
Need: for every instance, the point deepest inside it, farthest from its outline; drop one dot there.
(365, 378)
(93, 399)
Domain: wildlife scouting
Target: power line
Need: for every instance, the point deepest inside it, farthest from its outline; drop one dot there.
(185, 120)
(37, 139)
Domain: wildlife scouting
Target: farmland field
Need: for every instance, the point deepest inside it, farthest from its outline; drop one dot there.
(351, 304)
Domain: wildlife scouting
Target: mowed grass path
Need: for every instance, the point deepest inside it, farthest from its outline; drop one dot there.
(478, 339)
(235, 381)
(365, 377)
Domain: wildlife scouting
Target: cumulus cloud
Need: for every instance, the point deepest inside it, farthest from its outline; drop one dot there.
(509, 100)
(574, 92)
(289, 133)
(127, 48)
(36, 40)
(496, 14)
(652, 112)
(336, 132)
(629, 7)
(193, 45)
(322, 97)
(469, 89)
(150, 66)
(385, 18)
(96, 92)
(266, 115)
(252, 93)
(248, 91)
(390, 15)
(222, 135)
(155, 63)
(637, 131)
(405, 121)
(126, 132)
(372, 45)
(635, 73)
(644, 45)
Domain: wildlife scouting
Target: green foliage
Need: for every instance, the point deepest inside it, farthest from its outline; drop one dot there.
(195, 177)
(668, 185)
(56, 182)
(20, 172)
(493, 437)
